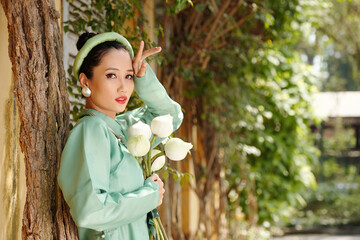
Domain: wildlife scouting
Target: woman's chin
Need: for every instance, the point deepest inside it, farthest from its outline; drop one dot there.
(120, 110)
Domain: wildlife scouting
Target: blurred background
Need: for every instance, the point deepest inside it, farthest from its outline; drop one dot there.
(271, 96)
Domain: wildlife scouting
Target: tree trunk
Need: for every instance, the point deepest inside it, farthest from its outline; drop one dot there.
(35, 50)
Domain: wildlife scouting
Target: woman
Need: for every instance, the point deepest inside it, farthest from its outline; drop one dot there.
(101, 181)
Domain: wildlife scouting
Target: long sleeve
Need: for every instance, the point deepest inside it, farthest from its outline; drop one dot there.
(156, 100)
(85, 179)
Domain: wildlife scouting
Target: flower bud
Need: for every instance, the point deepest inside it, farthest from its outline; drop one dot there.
(176, 149)
(140, 128)
(138, 145)
(159, 162)
(162, 126)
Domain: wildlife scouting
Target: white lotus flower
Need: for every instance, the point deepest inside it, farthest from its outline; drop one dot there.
(176, 149)
(138, 145)
(159, 162)
(140, 128)
(162, 126)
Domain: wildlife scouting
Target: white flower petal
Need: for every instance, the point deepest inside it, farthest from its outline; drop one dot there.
(140, 128)
(162, 126)
(176, 149)
(159, 161)
(138, 145)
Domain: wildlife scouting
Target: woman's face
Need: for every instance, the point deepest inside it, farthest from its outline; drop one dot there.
(112, 83)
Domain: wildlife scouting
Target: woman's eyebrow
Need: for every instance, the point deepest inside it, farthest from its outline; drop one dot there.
(112, 68)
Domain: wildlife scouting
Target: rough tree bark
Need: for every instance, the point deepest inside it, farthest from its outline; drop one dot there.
(35, 51)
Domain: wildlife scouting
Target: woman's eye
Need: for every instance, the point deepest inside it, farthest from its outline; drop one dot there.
(110, 75)
(129, 76)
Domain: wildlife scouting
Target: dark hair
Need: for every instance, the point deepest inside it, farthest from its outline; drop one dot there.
(95, 55)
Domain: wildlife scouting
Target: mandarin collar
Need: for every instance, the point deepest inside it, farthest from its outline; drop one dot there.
(114, 125)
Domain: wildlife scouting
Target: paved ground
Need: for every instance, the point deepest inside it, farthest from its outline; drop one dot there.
(319, 237)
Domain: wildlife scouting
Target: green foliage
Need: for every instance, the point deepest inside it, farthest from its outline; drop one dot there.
(338, 140)
(331, 44)
(177, 6)
(257, 96)
(109, 16)
(335, 202)
(271, 136)
(177, 176)
(335, 30)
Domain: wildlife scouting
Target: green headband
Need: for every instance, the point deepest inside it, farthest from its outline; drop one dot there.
(93, 42)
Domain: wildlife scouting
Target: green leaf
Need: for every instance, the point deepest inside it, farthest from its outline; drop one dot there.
(166, 174)
(175, 177)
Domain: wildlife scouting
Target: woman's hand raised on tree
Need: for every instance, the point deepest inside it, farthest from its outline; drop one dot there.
(138, 62)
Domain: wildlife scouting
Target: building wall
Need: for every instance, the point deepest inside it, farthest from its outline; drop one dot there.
(12, 171)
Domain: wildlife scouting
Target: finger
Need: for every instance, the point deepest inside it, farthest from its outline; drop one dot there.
(154, 178)
(150, 52)
(137, 59)
(141, 72)
(140, 51)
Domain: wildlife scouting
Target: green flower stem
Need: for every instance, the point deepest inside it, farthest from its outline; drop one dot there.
(146, 165)
(159, 233)
(148, 159)
(147, 168)
(156, 229)
(152, 141)
(162, 229)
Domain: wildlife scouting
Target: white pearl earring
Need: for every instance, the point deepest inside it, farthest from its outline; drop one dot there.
(86, 91)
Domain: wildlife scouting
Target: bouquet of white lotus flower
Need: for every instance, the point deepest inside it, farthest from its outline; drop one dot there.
(140, 142)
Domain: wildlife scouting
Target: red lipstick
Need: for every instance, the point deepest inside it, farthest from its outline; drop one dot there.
(121, 100)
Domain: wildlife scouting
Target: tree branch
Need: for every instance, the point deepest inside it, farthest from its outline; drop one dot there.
(237, 24)
(215, 23)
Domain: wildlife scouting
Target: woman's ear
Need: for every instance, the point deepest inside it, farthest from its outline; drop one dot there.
(83, 80)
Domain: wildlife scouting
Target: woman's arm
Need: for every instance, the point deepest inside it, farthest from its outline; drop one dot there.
(95, 208)
(84, 178)
(157, 102)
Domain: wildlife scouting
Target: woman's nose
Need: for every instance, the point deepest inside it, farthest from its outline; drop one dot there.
(122, 85)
